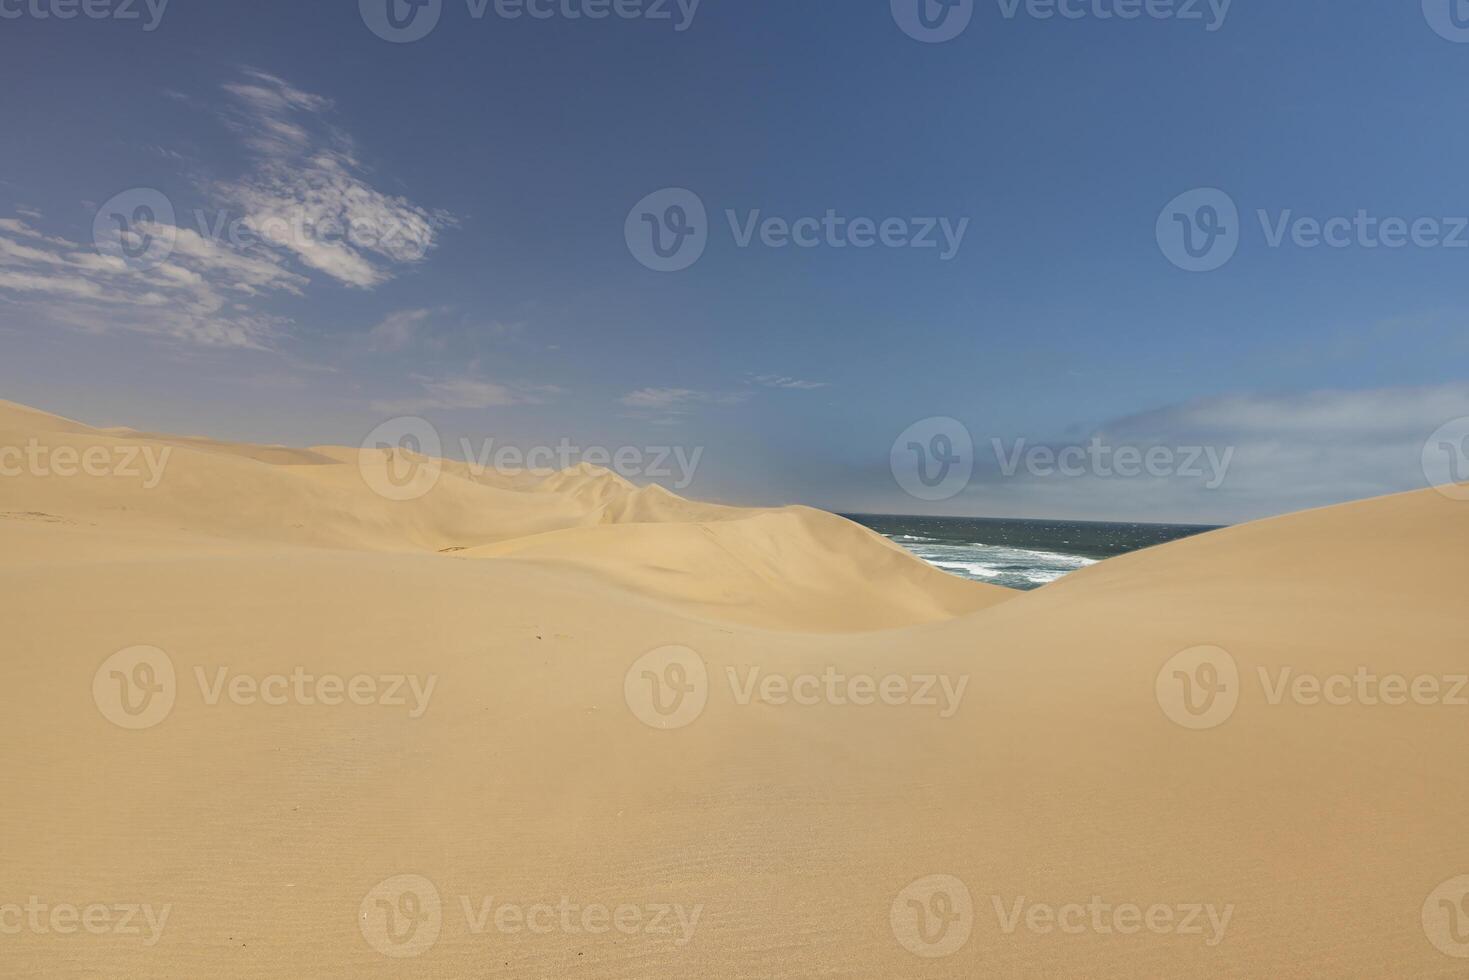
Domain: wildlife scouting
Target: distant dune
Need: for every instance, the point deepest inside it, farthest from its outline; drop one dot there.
(767, 743)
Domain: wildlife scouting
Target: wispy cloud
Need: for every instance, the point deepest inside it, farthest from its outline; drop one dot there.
(309, 194)
(305, 203)
(1285, 452)
(465, 393)
(788, 384)
(436, 329)
(398, 331)
(662, 399)
(669, 406)
(201, 293)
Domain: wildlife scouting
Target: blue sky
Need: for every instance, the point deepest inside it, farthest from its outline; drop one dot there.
(503, 158)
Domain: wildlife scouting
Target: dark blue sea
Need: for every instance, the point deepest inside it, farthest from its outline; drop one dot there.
(1019, 554)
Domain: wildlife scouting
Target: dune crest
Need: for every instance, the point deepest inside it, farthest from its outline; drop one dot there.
(790, 568)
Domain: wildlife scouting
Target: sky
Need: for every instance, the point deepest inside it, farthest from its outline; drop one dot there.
(1166, 260)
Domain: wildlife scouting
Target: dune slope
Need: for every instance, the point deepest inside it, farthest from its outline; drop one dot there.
(594, 766)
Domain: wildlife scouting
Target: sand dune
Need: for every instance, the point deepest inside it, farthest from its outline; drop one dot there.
(793, 568)
(1014, 762)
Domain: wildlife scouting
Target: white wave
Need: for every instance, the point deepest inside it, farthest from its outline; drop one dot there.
(972, 567)
(1000, 564)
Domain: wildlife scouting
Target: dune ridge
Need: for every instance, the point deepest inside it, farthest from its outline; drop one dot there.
(793, 568)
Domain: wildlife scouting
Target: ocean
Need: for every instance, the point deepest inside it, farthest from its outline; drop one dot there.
(1018, 554)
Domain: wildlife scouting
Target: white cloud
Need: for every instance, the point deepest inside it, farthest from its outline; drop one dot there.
(308, 194)
(678, 399)
(195, 295)
(438, 329)
(661, 399)
(465, 393)
(788, 384)
(1285, 452)
(305, 200)
(398, 330)
(671, 406)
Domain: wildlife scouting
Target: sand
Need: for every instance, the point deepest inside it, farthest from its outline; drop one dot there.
(552, 725)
